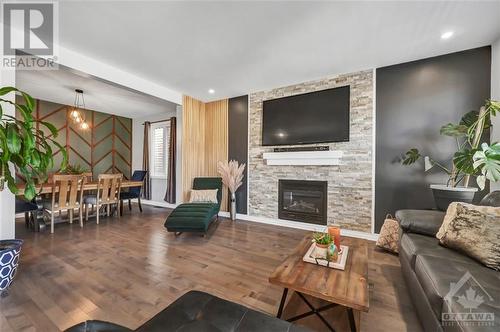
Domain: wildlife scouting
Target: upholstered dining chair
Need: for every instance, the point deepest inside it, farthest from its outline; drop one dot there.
(67, 195)
(108, 193)
(28, 208)
(133, 192)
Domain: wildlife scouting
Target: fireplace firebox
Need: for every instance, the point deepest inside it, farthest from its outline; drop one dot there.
(304, 201)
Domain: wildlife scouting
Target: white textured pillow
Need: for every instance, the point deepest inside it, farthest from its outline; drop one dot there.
(203, 196)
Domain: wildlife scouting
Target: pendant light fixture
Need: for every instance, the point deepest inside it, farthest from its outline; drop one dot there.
(77, 112)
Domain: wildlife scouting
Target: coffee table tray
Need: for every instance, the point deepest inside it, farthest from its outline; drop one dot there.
(339, 264)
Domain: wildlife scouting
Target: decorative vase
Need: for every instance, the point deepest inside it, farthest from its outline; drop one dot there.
(9, 260)
(233, 207)
(444, 195)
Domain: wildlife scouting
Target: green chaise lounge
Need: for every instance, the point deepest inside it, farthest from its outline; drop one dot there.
(196, 217)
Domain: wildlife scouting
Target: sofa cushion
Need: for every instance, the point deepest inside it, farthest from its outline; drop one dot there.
(191, 217)
(412, 245)
(425, 222)
(437, 274)
(198, 311)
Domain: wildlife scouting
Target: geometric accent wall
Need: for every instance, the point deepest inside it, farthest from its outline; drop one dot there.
(106, 147)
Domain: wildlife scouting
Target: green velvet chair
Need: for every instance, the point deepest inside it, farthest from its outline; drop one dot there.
(196, 217)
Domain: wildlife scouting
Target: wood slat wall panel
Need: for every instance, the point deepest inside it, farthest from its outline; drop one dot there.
(193, 142)
(204, 141)
(216, 140)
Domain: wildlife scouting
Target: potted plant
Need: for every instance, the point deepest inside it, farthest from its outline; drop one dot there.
(322, 242)
(28, 150)
(232, 177)
(472, 158)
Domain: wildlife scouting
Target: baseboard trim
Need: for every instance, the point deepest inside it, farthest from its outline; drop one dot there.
(155, 203)
(301, 225)
(278, 222)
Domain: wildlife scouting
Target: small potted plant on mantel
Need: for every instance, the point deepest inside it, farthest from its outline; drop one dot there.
(28, 150)
(472, 158)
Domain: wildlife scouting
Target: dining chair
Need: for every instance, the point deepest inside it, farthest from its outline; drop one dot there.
(108, 193)
(133, 192)
(28, 208)
(88, 176)
(67, 195)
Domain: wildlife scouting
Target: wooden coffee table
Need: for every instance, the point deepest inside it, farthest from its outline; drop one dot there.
(348, 288)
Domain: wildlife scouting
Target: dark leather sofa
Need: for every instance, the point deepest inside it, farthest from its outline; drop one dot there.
(199, 312)
(429, 269)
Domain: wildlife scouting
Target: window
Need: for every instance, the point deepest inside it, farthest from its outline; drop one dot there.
(160, 135)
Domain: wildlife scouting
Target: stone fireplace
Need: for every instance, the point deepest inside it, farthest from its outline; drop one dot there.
(304, 201)
(349, 198)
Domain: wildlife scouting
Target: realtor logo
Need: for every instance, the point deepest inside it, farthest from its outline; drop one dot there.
(30, 35)
(29, 28)
(465, 302)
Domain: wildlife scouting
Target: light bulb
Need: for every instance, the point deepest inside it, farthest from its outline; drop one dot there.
(85, 125)
(75, 114)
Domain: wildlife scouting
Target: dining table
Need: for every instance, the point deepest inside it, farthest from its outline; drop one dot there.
(46, 188)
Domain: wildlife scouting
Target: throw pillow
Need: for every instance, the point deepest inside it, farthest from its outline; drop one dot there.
(475, 231)
(203, 196)
(451, 213)
(388, 238)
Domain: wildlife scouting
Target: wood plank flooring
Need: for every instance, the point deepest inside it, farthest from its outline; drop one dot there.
(128, 269)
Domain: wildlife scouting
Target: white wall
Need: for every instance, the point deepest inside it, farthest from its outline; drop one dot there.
(495, 94)
(158, 186)
(7, 206)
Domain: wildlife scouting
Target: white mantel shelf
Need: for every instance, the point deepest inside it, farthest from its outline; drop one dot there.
(303, 158)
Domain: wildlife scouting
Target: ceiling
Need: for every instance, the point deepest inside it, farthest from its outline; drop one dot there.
(59, 86)
(238, 47)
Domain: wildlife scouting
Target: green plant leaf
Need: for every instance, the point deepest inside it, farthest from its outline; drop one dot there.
(6, 90)
(481, 181)
(411, 156)
(35, 159)
(493, 106)
(25, 112)
(51, 127)
(487, 161)
(30, 102)
(453, 130)
(11, 182)
(29, 190)
(471, 117)
(464, 162)
(13, 139)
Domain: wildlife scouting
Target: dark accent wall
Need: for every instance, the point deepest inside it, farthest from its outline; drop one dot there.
(238, 143)
(413, 100)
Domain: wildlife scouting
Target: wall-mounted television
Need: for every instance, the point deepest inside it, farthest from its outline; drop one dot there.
(315, 117)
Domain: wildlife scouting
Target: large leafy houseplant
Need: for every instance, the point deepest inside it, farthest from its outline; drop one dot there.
(25, 146)
(472, 157)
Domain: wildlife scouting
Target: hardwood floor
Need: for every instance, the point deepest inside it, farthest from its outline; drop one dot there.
(128, 269)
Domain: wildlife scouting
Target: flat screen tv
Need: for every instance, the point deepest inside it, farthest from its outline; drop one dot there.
(316, 117)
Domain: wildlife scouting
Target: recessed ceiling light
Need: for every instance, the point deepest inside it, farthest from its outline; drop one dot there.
(211, 91)
(447, 35)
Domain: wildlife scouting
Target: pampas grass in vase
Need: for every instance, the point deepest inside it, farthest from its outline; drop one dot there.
(232, 177)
